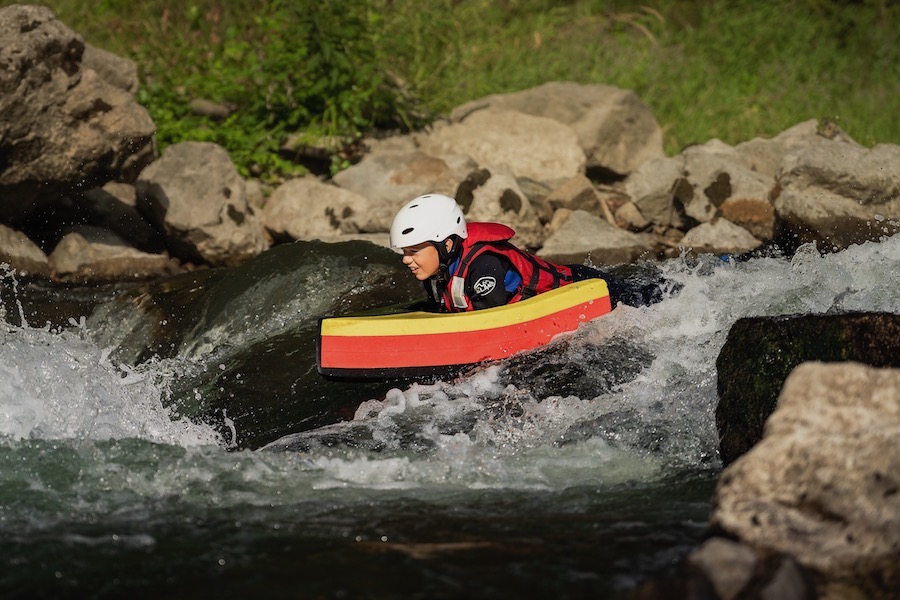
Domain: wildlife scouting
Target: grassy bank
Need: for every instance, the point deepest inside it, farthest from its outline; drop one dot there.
(730, 70)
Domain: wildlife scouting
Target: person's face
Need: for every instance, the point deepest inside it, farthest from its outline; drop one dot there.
(423, 260)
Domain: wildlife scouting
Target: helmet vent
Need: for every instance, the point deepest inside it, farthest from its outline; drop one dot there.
(408, 230)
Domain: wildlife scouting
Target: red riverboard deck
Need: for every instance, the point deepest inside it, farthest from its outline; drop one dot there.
(419, 343)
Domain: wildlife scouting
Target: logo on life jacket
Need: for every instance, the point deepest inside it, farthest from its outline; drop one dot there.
(485, 285)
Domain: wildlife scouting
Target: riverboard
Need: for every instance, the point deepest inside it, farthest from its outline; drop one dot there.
(411, 344)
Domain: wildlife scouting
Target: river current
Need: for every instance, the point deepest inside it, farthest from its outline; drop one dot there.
(174, 440)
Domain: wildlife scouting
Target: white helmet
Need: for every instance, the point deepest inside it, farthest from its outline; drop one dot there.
(428, 218)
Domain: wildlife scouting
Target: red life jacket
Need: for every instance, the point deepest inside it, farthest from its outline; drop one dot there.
(538, 275)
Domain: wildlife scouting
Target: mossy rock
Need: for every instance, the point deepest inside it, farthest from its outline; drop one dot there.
(760, 352)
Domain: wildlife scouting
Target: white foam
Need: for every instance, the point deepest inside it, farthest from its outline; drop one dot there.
(60, 386)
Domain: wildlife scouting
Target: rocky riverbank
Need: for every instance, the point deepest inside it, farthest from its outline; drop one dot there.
(579, 172)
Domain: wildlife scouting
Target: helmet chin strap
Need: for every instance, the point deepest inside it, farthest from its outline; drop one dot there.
(446, 257)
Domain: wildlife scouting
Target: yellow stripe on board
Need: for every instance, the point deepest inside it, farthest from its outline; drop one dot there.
(420, 323)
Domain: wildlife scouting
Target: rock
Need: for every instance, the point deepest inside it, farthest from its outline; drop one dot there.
(838, 193)
(114, 207)
(538, 148)
(714, 181)
(588, 237)
(823, 483)
(395, 173)
(616, 131)
(306, 208)
(764, 155)
(115, 70)
(93, 254)
(629, 217)
(500, 199)
(725, 569)
(729, 566)
(64, 126)
(760, 352)
(195, 195)
(719, 237)
(21, 254)
(651, 188)
(576, 193)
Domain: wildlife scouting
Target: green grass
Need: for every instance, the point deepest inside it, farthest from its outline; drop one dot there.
(731, 70)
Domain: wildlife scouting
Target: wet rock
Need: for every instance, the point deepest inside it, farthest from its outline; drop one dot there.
(616, 131)
(823, 484)
(21, 254)
(65, 126)
(760, 352)
(586, 236)
(538, 148)
(195, 195)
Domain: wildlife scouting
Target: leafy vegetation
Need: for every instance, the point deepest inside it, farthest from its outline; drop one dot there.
(330, 72)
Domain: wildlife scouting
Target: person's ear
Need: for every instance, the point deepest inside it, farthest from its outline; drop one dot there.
(448, 244)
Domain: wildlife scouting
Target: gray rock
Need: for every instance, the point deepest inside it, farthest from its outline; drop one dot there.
(615, 129)
(717, 181)
(195, 195)
(500, 199)
(719, 236)
(64, 125)
(838, 193)
(394, 173)
(823, 483)
(764, 155)
(538, 148)
(94, 254)
(21, 254)
(585, 236)
(651, 188)
(306, 208)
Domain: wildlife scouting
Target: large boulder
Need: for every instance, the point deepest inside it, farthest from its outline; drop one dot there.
(537, 148)
(823, 485)
(760, 352)
(195, 195)
(616, 131)
(837, 193)
(64, 125)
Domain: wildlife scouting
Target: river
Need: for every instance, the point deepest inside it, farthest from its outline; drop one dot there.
(173, 439)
